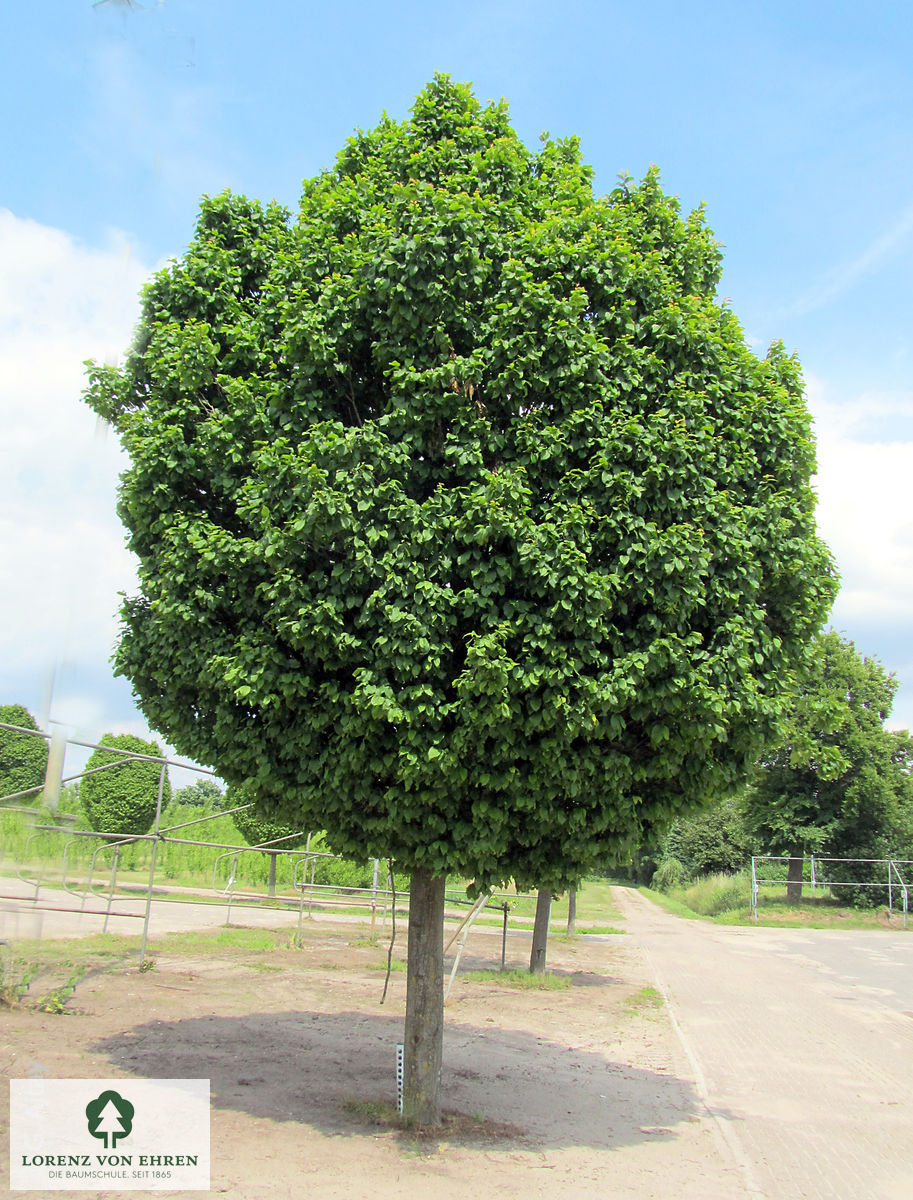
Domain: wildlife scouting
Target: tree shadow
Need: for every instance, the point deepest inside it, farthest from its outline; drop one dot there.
(324, 1070)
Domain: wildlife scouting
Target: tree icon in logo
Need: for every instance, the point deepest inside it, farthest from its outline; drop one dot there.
(109, 1116)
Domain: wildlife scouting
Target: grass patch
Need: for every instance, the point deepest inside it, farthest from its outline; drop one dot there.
(597, 929)
(648, 999)
(372, 1112)
(671, 904)
(234, 937)
(547, 982)
(775, 911)
(94, 945)
(17, 977)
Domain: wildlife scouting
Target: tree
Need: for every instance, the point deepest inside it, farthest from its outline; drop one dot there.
(468, 526)
(836, 781)
(255, 829)
(712, 840)
(539, 948)
(202, 793)
(23, 757)
(122, 798)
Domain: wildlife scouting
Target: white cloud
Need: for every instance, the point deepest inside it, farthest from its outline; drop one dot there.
(865, 514)
(62, 555)
(864, 508)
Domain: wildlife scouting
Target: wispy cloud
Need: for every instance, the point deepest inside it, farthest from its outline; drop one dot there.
(844, 277)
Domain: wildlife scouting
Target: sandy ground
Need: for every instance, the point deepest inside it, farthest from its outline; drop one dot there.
(560, 1093)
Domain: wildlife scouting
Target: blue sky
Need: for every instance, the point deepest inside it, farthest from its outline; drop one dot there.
(792, 121)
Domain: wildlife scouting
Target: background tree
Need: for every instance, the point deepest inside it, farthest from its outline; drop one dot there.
(122, 798)
(539, 948)
(713, 840)
(836, 785)
(257, 829)
(23, 758)
(469, 528)
(202, 793)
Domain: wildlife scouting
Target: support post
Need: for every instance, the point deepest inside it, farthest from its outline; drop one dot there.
(155, 846)
(104, 927)
(374, 898)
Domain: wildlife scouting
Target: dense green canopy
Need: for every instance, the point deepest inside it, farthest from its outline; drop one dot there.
(469, 528)
(839, 782)
(122, 797)
(23, 757)
(255, 829)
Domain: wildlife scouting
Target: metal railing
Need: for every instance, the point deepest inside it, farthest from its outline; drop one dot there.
(818, 878)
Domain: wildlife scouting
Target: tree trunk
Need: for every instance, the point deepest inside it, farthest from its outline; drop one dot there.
(540, 932)
(794, 880)
(572, 912)
(271, 886)
(424, 1033)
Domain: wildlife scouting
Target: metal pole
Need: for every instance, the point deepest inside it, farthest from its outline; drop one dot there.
(506, 908)
(400, 1056)
(374, 896)
(230, 888)
(104, 927)
(155, 831)
(464, 932)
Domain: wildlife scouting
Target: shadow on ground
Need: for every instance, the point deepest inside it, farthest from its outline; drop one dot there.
(310, 1067)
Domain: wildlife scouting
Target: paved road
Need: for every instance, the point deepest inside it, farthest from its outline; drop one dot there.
(802, 1046)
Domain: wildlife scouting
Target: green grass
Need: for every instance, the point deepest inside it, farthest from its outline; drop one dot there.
(775, 911)
(192, 867)
(647, 1000)
(372, 1112)
(113, 948)
(235, 937)
(519, 979)
(597, 929)
(596, 910)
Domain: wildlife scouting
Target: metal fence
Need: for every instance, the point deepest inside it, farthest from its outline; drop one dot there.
(815, 874)
(105, 900)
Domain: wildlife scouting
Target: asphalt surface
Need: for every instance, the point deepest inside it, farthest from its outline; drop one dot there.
(801, 1044)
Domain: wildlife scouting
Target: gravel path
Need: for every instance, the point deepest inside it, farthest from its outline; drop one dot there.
(801, 1043)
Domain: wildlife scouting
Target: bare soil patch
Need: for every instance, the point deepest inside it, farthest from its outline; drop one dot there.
(553, 1092)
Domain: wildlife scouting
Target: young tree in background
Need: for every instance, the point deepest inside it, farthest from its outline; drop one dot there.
(469, 528)
(23, 757)
(838, 782)
(255, 829)
(123, 797)
(202, 793)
